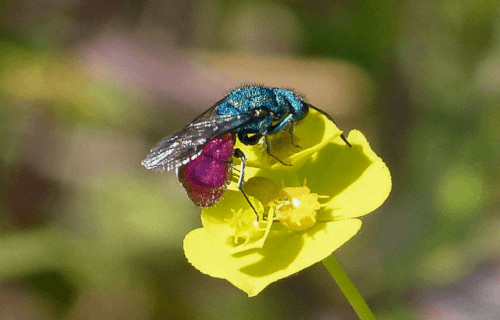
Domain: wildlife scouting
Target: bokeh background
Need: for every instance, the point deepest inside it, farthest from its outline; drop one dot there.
(88, 86)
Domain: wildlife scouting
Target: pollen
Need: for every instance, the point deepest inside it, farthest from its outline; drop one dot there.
(296, 207)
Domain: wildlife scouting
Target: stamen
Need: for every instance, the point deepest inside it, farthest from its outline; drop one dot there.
(296, 207)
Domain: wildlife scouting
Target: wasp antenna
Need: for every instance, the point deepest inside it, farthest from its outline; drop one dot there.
(345, 140)
(330, 118)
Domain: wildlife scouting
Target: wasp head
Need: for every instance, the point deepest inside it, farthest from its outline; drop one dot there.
(291, 103)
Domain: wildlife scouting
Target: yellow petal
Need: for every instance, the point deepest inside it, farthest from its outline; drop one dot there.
(281, 256)
(356, 179)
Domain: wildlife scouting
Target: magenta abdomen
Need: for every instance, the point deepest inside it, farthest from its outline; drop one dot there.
(206, 177)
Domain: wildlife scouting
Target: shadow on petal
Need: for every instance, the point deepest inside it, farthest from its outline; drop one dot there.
(279, 251)
(334, 168)
(276, 254)
(328, 172)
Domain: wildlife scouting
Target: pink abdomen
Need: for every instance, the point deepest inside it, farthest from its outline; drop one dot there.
(206, 177)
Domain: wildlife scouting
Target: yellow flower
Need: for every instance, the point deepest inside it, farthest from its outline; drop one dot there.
(328, 186)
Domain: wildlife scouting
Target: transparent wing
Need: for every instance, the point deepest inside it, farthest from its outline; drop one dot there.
(186, 144)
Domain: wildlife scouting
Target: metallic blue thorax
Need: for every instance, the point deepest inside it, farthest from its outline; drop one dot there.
(280, 107)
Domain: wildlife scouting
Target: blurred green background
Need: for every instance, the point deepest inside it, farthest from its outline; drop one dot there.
(88, 86)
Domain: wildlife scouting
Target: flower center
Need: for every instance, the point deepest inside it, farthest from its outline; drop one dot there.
(296, 207)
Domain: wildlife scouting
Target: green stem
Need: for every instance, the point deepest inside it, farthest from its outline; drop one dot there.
(348, 289)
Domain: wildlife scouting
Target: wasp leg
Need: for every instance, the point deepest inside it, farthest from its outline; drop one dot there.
(239, 154)
(268, 150)
(246, 139)
(290, 130)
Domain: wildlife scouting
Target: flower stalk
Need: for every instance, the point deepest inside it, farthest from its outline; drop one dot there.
(348, 289)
